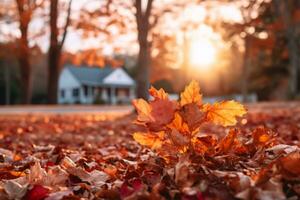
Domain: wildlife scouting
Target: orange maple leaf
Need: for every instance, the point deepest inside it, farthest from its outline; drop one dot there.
(143, 109)
(178, 124)
(158, 112)
(224, 113)
(191, 94)
(151, 140)
(158, 94)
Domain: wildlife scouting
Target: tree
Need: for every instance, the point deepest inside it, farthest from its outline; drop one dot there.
(21, 12)
(143, 62)
(248, 29)
(285, 10)
(24, 10)
(55, 49)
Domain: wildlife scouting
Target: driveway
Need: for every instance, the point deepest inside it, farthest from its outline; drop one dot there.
(64, 109)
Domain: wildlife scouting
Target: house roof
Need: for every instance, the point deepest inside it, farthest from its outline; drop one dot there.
(90, 75)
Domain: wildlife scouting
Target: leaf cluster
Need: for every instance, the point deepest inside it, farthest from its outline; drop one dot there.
(173, 126)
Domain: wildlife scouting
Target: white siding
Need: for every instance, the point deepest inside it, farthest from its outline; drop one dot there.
(119, 77)
(67, 82)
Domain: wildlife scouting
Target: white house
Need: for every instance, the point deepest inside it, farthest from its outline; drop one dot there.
(87, 85)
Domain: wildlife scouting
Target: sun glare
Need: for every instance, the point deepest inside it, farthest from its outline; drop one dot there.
(202, 53)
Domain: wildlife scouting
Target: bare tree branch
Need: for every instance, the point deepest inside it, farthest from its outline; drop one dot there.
(66, 25)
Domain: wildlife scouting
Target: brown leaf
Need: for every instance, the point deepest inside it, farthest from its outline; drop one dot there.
(192, 115)
(290, 164)
(178, 138)
(162, 111)
(261, 136)
(158, 112)
(204, 144)
(228, 141)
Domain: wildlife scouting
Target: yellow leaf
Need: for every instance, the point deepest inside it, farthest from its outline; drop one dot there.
(191, 94)
(151, 140)
(224, 113)
(158, 94)
(143, 109)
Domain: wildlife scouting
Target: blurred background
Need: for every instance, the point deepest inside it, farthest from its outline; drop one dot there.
(110, 51)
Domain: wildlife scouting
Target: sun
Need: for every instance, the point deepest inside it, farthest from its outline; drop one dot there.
(202, 53)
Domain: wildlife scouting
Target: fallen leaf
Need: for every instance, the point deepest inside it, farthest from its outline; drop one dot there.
(224, 113)
(16, 188)
(290, 164)
(192, 115)
(158, 94)
(151, 140)
(143, 109)
(228, 141)
(179, 124)
(38, 192)
(191, 94)
(59, 195)
(162, 111)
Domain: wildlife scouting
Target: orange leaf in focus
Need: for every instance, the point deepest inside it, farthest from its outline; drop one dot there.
(191, 94)
(224, 113)
(158, 94)
(162, 111)
(143, 109)
(178, 124)
(151, 140)
(192, 115)
(179, 139)
(158, 113)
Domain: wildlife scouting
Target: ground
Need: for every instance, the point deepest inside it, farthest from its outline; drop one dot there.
(55, 153)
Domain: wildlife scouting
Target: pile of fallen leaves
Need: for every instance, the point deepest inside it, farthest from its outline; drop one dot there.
(186, 155)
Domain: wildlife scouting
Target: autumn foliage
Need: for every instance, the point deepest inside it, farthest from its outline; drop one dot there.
(174, 126)
(55, 157)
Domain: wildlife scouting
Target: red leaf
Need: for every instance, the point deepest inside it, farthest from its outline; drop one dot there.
(38, 192)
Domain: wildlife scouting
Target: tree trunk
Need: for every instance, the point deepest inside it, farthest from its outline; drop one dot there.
(143, 65)
(53, 54)
(53, 74)
(245, 70)
(24, 13)
(25, 66)
(55, 50)
(285, 11)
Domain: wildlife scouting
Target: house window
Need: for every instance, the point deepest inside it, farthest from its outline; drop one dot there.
(62, 93)
(75, 92)
(86, 90)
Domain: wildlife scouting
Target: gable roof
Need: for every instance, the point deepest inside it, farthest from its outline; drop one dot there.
(90, 75)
